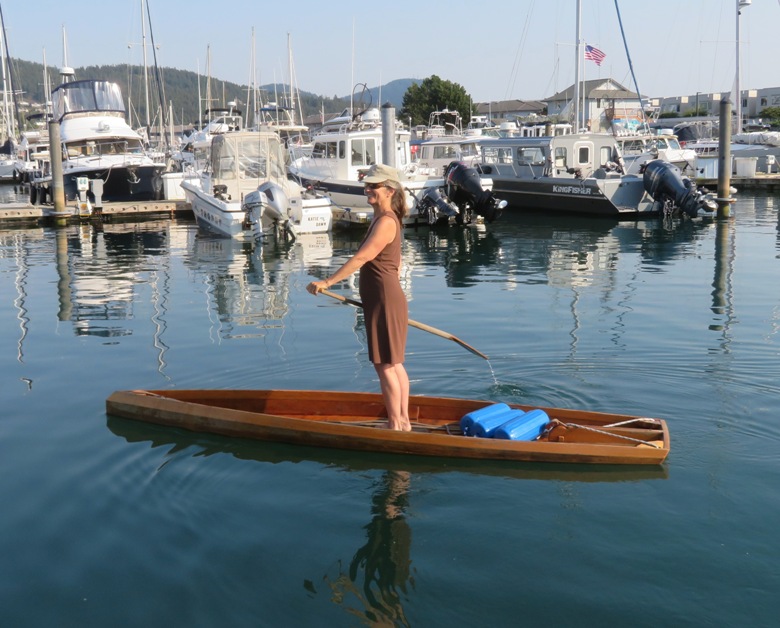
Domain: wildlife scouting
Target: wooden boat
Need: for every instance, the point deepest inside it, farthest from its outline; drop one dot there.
(350, 420)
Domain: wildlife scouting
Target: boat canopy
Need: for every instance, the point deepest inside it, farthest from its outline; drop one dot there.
(243, 159)
(87, 96)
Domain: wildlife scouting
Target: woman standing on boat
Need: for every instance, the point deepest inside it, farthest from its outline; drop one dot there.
(384, 303)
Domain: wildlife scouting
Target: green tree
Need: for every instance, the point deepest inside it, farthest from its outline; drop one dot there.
(772, 114)
(434, 94)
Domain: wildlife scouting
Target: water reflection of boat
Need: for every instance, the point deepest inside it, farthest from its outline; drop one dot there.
(357, 461)
(465, 254)
(100, 266)
(248, 284)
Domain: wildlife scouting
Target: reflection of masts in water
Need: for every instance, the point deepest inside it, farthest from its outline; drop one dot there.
(383, 563)
(160, 305)
(21, 297)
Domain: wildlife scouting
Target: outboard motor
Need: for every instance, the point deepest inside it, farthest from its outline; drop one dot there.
(274, 199)
(267, 204)
(435, 206)
(664, 182)
(464, 188)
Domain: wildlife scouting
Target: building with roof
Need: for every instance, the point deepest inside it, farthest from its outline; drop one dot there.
(606, 104)
(499, 111)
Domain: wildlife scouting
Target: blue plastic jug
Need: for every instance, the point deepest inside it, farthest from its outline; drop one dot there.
(526, 427)
(468, 421)
(486, 427)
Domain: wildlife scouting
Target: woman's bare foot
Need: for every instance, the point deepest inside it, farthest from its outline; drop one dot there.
(399, 426)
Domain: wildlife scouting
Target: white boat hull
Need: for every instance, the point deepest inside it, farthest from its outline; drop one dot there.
(351, 208)
(226, 218)
(234, 219)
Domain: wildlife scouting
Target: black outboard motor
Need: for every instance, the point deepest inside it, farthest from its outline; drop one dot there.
(665, 183)
(464, 187)
(437, 207)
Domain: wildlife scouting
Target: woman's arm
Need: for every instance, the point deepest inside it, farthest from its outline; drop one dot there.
(382, 234)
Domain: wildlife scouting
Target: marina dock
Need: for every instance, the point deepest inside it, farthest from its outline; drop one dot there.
(760, 182)
(25, 213)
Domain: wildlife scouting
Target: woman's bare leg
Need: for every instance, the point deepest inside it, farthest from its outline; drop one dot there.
(394, 383)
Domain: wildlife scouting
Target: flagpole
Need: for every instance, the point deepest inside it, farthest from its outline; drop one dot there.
(583, 93)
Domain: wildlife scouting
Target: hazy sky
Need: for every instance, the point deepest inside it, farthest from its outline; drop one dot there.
(515, 49)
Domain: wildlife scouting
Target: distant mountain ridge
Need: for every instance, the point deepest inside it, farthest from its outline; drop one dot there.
(181, 90)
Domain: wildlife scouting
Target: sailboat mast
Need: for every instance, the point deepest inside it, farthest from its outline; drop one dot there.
(46, 85)
(6, 112)
(146, 71)
(251, 86)
(200, 102)
(290, 77)
(208, 77)
(14, 109)
(577, 64)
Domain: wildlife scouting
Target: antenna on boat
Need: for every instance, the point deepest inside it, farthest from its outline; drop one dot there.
(352, 76)
(66, 72)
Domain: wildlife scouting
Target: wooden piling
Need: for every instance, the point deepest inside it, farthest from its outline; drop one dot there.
(57, 183)
(724, 199)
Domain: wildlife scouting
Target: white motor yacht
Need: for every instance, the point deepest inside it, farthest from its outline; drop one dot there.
(345, 149)
(99, 145)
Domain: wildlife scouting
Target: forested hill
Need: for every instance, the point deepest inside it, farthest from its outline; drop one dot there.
(180, 87)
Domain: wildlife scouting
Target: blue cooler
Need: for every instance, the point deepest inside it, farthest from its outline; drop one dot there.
(526, 427)
(486, 427)
(469, 420)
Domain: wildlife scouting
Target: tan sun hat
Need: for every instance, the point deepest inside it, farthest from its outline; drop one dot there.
(380, 173)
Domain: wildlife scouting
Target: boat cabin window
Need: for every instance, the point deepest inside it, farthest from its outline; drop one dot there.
(495, 155)
(445, 152)
(605, 155)
(403, 155)
(363, 152)
(109, 146)
(530, 156)
(468, 150)
(583, 155)
(87, 95)
(328, 150)
(560, 157)
(633, 147)
(667, 143)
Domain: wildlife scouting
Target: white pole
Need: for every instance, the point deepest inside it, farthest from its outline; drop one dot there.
(146, 71)
(577, 63)
(738, 96)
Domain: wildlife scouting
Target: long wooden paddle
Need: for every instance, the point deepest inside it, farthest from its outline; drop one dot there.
(423, 326)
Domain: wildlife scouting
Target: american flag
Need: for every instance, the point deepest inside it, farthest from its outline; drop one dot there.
(594, 54)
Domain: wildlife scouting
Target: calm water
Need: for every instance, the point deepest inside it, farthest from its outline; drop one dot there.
(111, 522)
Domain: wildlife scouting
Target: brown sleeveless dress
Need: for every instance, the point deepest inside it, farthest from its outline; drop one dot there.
(384, 303)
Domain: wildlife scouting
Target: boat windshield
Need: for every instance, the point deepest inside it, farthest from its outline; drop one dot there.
(82, 96)
(668, 143)
(253, 156)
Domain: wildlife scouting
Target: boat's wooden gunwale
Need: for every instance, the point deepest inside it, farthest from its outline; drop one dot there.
(222, 412)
